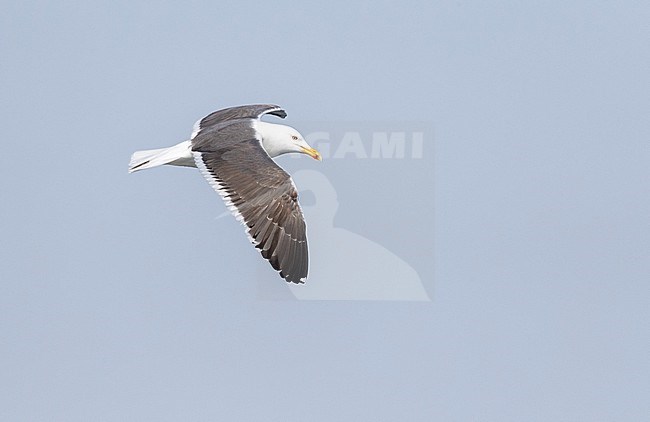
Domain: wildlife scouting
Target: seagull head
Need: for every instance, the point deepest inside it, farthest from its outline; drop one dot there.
(282, 139)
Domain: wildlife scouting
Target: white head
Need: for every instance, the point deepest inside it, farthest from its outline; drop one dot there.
(282, 139)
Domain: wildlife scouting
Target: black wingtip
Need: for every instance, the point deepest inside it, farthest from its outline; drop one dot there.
(290, 279)
(280, 113)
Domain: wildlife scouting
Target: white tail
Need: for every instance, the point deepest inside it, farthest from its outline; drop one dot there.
(178, 155)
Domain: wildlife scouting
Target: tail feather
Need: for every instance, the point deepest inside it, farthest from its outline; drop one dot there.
(178, 155)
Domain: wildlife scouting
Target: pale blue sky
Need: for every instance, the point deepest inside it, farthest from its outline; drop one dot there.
(123, 298)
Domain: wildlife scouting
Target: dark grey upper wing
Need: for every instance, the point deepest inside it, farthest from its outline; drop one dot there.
(253, 111)
(262, 196)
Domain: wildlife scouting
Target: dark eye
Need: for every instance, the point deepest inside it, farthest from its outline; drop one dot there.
(294, 137)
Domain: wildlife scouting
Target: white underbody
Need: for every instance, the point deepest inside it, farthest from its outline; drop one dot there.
(273, 140)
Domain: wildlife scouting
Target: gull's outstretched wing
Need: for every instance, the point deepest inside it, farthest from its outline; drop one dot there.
(254, 111)
(263, 197)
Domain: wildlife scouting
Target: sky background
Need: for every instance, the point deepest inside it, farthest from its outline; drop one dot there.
(124, 298)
